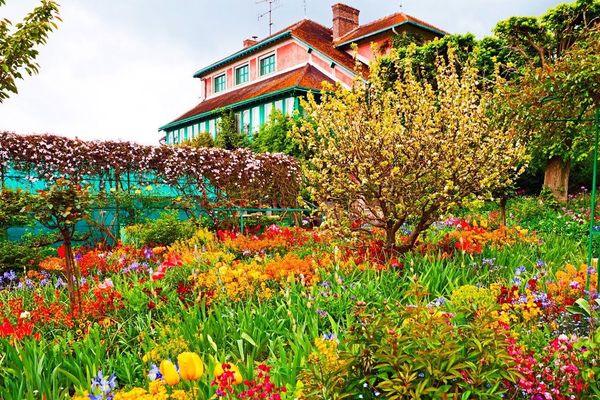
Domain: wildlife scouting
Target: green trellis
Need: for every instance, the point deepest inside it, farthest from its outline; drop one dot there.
(593, 230)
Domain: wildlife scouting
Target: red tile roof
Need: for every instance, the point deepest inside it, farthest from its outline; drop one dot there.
(383, 24)
(312, 33)
(320, 38)
(307, 77)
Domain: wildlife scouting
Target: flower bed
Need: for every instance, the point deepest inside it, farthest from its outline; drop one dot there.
(297, 314)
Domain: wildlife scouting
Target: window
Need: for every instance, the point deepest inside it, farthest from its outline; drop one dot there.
(267, 64)
(289, 106)
(212, 129)
(220, 83)
(268, 111)
(242, 74)
(246, 120)
(255, 120)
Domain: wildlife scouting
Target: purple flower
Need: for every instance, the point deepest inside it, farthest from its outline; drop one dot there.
(10, 275)
(148, 252)
(520, 270)
(154, 373)
(104, 385)
(489, 261)
(574, 285)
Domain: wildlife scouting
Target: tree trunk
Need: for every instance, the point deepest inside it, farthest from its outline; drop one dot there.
(73, 276)
(503, 201)
(556, 177)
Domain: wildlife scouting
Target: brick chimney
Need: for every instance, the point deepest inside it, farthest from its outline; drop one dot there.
(345, 19)
(250, 42)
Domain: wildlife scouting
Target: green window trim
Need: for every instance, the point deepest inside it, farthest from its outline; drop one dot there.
(261, 113)
(220, 83)
(267, 64)
(242, 74)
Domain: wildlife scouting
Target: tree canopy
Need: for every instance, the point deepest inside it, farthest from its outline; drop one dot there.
(386, 154)
(18, 44)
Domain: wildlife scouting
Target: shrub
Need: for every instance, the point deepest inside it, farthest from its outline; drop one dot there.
(165, 230)
(22, 254)
(391, 153)
(229, 136)
(274, 137)
(204, 139)
(425, 352)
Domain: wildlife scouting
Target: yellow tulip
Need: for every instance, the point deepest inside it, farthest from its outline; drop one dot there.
(169, 372)
(237, 375)
(190, 366)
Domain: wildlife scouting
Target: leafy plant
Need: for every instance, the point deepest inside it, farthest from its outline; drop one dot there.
(164, 230)
(18, 46)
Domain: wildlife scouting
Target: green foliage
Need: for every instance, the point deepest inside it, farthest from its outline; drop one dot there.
(558, 85)
(405, 39)
(18, 44)
(204, 139)
(165, 230)
(11, 205)
(487, 53)
(274, 136)
(229, 136)
(24, 254)
(470, 299)
(417, 352)
(61, 206)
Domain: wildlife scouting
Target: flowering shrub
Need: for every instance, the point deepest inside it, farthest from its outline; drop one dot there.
(208, 175)
(553, 374)
(569, 284)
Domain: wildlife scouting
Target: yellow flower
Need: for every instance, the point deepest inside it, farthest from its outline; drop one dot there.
(169, 373)
(190, 366)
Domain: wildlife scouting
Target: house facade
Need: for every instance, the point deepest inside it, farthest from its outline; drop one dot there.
(274, 73)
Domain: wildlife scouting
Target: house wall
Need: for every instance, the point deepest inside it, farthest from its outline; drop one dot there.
(288, 54)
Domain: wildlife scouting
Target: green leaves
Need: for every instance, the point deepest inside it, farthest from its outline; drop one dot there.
(18, 44)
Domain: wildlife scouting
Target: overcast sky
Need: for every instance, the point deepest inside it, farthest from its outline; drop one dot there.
(119, 69)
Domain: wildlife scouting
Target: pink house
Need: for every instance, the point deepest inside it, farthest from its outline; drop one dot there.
(275, 72)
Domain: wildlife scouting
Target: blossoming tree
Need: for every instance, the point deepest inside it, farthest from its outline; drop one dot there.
(389, 153)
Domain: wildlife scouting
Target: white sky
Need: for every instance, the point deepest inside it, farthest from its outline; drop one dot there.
(119, 69)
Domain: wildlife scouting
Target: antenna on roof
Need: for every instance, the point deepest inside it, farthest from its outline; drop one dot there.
(269, 13)
(304, 3)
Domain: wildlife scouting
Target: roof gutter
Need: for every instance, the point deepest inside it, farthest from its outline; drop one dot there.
(258, 99)
(418, 25)
(243, 53)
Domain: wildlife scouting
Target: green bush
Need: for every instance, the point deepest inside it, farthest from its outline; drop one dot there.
(165, 230)
(22, 254)
(274, 137)
(424, 352)
(204, 139)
